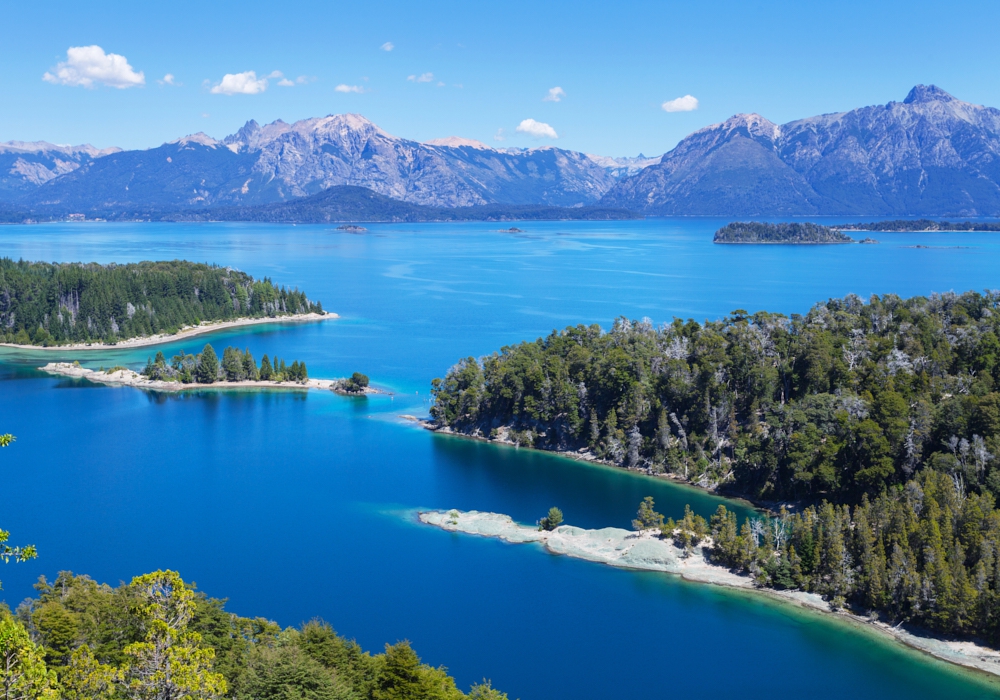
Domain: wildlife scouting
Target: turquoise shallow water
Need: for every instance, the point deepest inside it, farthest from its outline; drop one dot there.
(295, 506)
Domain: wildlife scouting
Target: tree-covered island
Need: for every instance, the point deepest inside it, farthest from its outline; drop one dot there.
(55, 304)
(877, 424)
(235, 369)
(756, 232)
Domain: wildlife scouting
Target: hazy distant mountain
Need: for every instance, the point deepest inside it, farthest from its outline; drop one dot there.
(26, 165)
(280, 162)
(349, 203)
(930, 154)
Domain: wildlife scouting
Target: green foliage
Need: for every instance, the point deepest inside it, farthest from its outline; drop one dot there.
(403, 677)
(846, 400)
(647, 518)
(6, 439)
(551, 521)
(53, 304)
(756, 232)
(355, 384)
(925, 551)
(158, 638)
(208, 366)
(236, 366)
(23, 673)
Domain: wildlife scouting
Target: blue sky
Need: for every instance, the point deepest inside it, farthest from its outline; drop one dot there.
(477, 68)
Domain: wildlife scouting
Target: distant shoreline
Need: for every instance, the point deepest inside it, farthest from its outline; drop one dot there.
(783, 242)
(130, 378)
(183, 333)
(646, 551)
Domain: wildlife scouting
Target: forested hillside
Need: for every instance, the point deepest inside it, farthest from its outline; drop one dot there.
(51, 304)
(158, 638)
(840, 402)
(878, 421)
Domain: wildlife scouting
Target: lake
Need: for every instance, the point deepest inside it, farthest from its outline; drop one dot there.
(296, 506)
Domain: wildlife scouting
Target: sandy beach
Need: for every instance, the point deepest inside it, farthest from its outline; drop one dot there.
(647, 551)
(127, 377)
(186, 332)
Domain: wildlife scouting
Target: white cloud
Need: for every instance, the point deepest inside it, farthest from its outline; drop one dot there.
(276, 74)
(349, 88)
(86, 66)
(501, 135)
(246, 83)
(440, 83)
(537, 130)
(555, 95)
(168, 79)
(285, 82)
(387, 46)
(422, 78)
(303, 79)
(681, 104)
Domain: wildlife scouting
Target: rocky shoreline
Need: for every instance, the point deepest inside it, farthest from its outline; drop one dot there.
(183, 333)
(127, 377)
(647, 551)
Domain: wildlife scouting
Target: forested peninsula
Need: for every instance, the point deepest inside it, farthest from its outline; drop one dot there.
(870, 428)
(757, 232)
(158, 637)
(45, 304)
(921, 225)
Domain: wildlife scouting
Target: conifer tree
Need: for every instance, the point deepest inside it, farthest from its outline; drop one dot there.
(208, 366)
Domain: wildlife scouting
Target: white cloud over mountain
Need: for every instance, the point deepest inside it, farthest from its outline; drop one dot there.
(687, 103)
(555, 95)
(246, 83)
(88, 66)
(537, 130)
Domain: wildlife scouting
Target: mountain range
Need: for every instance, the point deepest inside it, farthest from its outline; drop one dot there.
(931, 155)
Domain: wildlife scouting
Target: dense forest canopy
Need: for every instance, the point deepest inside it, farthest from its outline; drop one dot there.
(156, 637)
(52, 304)
(757, 232)
(878, 422)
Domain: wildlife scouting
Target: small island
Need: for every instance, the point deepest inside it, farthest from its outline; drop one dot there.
(754, 232)
(86, 304)
(351, 228)
(203, 370)
(512, 229)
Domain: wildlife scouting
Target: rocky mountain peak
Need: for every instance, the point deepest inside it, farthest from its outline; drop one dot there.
(201, 138)
(922, 94)
(458, 142)
(755, 125)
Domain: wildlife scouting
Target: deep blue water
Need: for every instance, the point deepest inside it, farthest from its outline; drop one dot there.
(295, 506)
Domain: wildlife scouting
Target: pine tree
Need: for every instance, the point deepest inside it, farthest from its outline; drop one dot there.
(208, 366)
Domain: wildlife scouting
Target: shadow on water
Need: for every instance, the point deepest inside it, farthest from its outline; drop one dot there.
(590, 495)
